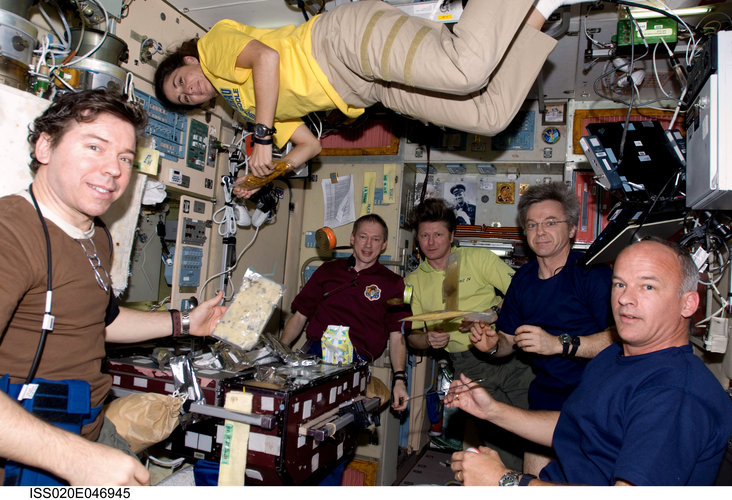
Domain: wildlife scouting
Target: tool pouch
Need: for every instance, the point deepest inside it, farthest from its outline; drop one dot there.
(63, 403)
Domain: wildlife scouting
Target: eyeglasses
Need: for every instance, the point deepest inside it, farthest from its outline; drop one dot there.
(101, 274)
(546, 224)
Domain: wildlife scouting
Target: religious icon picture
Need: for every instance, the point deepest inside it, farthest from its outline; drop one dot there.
(505, 192)
(523, 188)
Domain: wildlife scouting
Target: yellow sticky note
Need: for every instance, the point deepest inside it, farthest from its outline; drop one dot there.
(367, 197)
(390, 172)
(146, 160)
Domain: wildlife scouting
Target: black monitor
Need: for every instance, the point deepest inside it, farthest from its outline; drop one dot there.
(648, 158)
(631, 221)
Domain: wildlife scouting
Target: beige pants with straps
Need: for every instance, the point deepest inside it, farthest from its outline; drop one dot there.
(473, 79)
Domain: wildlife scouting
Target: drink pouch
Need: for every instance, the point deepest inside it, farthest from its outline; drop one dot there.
(336, 345)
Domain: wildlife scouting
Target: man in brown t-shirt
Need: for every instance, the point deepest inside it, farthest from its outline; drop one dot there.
(82, 150)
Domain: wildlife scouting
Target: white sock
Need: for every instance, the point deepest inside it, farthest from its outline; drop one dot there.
(547, 7)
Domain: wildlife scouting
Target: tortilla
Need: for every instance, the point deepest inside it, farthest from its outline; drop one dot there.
(488, 317)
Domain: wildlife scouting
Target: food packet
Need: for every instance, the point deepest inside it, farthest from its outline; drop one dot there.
(336, 345)
(248, 314)
(231, 358)
(250, 181)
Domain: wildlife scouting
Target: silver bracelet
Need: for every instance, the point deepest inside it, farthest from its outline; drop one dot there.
(185, 323)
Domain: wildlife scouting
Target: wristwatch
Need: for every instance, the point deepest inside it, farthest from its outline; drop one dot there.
(568, 341)
(510, 478)
(185, 323)
(261, 131)
(263, 134)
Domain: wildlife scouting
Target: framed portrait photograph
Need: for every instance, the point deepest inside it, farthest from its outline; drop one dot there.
(462, 197)
(555, 114)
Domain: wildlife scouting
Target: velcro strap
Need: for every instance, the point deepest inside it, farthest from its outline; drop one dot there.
(364, 52)
(409, 61)
(386, 52)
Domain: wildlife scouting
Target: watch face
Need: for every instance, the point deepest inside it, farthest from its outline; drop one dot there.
(261, 130)
(565, 338)
(510, 478)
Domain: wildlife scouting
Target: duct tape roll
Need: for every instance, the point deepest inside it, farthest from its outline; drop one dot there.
(325, 239)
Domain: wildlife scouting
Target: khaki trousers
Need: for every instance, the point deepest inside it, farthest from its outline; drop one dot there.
(472, 79)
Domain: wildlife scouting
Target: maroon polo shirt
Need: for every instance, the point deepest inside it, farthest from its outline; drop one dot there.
(337, 294)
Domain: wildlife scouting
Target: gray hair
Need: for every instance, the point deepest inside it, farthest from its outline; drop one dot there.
(689, 271)
(556, 191)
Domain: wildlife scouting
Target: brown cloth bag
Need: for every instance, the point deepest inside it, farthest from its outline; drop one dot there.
(378, 389)
(144, 418)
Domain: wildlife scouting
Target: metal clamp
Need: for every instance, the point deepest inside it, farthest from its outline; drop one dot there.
(329, 423)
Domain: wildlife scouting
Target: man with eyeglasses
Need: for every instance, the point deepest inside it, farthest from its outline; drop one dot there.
(82, 151)
(555, 310)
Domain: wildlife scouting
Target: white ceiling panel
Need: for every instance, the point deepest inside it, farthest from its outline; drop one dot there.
(259, 13)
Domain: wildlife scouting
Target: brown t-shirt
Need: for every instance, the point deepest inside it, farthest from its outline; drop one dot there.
(75, 347)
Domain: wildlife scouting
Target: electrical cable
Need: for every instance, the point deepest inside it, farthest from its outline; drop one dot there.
(231, 268)
(317, 126)
(655, 72)
(678, 108)
(48, 318)
(621, 151)
(54, 28)
(729, 19)
(81, 37)
(130, 87)
(227, 222)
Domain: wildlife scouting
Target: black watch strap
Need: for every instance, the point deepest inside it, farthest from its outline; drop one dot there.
(398, 375)
(565, 349)
(575, 346)
(264, 142)
(261, 130)
(526, 479)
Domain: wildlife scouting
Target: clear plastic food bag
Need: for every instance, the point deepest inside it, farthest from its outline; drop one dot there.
(249, 312)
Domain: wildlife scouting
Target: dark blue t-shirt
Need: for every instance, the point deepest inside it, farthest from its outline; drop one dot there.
(658, 419)
(575, 301)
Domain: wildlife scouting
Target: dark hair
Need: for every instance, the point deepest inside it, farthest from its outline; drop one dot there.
(689, 271)
(457, 187)
(83, 107)
(371, 218)
(434, 210)
(556, 191)
(170, 63)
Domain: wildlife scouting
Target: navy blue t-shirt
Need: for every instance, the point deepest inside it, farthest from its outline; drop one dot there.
(575, 301)
(658, 419)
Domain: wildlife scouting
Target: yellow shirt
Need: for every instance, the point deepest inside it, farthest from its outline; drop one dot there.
(481, 273)
(303, 87)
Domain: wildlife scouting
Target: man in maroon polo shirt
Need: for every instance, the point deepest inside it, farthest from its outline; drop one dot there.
(355, 292)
